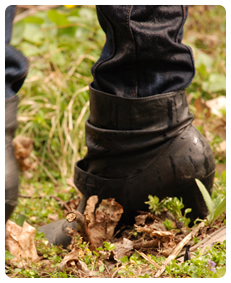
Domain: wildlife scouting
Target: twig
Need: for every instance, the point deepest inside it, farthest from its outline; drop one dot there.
(146, 244)
(216, 236)
(149, 259)
(54, 197)
(79, 218)
(178, 248)
(121, 267)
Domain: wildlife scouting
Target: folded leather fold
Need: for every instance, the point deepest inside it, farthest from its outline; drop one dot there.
(160, 113)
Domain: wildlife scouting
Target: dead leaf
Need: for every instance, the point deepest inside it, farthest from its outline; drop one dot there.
(165, 252)
(89, 212)
(140, 219)
(221, 148)
(23, 147)
(73, 261)
(69, 258)
(158, 226)
(83, 266)
(199, 105)
(122, 248)
(220, 168)
(148, 229)
(19, 241)
(103, 220)
(216, 105)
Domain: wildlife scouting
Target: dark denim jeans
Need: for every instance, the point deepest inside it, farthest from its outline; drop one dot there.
(143, 54)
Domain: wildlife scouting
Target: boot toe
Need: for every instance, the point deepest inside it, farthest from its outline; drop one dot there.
(55, 232)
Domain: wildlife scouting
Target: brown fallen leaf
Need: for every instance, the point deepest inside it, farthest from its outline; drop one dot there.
(74, 261)
(216, 120)
(89, 212)
(216, 105)
(221, 148)
(103, 220)
(70, 258)
(158, 226)
(220, 167)
(156, 233)
(200, 106)
(122, 248)
(19, 241)
(23, 147)
(140, 219)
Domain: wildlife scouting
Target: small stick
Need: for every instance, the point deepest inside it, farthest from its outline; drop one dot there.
(121, 267)
(149, 259)
(178, 248)
(146, 244)
(79, 218)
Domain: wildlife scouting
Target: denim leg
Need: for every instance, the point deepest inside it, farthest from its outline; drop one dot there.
(16, 65)
(143, 54)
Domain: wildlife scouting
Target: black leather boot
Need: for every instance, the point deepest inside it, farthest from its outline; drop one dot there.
(11, 165)
(144, 146)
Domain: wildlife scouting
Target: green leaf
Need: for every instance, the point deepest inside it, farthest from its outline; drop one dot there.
(17, 32)
(109, 246)
(206, 196)
(20, 220)
(168, 224)
(223, 176)
(101, 268)
(8, 255)
(35, 20)
(204, 59)
(219, 209)
(220, 273)
(216, 82)
(57, 18)
(29, 49)
(33, 33)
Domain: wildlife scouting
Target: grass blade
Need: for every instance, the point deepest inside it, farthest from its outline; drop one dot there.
(220, 209)
(206, 196)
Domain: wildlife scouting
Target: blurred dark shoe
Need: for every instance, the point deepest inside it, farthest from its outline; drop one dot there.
(56, 232)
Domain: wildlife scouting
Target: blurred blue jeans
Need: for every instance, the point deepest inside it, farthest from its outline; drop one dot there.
(143, 54)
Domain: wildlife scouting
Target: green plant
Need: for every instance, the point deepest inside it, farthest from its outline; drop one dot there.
(8, 255)
(108, 246)
(211, 264)
(215, 207)
(173, 205)
(155, 206)
(168, 224)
